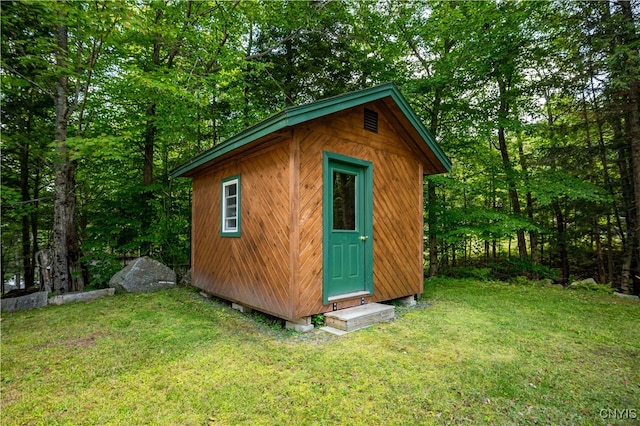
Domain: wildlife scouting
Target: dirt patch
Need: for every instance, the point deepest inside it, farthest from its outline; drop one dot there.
(80, 342)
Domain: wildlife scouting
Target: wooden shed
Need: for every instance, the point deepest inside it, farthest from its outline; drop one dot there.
(317, 208)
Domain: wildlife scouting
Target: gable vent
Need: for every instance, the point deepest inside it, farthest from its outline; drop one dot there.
(370, 120)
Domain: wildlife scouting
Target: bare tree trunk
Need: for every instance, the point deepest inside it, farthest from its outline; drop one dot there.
(436, 110)
(610, 264)
(533, 236)
(147, 177)
(626, 271)
(66, 274)
(596, 218)
(151, 130)
(602, 276)
(513, 193)
(62, 169)
(626, 234)
(27, 266)
(562, 244)
(633, 131)
(34, 221)
(431, 187)
(3, 261)
(150, 126)
(246, 91)
(149, 145)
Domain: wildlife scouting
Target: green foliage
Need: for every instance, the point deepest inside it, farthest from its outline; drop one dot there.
(480, 274)
(101, 267)
(521, 280)
(515, 267)
(550, 186)
(317, 320)
(267, 321)
(508, 270)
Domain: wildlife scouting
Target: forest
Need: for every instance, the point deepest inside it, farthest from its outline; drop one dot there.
(536, 104)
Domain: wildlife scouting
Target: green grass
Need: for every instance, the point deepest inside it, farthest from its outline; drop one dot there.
(470, 352)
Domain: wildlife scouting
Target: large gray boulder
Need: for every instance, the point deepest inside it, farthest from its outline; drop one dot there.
(143, 275)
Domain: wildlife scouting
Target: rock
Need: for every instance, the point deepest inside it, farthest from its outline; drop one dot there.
(143, 275)
(185, 280)
(407, 301)
(85, 296)
(300, 328)
(626, 296)
(582, 283)
(546, 282)
(29, 301)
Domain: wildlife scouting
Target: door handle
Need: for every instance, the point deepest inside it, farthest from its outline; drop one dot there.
(363, 238)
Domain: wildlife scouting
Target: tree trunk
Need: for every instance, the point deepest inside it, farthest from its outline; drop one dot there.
(27, 266)
(247, 73)
(533, 236)
(486, 252)
(149, 146)
(34, 220)
(633, 129)
(602, 276)
(147, 177)
(562, 244)
(63, 171)
(3, 261)
(66, 268)
(626, 233)
(150, 132)
(513, 193)
(610, 263)
(431, 187)
(596, 218)
(150, 125)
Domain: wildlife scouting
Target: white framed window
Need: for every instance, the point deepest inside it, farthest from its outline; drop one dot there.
(230, 207)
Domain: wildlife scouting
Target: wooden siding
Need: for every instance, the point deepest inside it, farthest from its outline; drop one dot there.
(253, 269)
(397, 205)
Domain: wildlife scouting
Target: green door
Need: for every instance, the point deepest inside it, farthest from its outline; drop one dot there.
(347, 227)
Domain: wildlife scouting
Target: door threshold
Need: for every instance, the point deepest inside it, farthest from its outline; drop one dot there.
(352, 295)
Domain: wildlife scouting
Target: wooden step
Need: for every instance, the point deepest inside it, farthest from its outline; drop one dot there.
(359, 317)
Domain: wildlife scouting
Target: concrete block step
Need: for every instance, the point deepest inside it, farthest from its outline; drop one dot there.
(359, 317)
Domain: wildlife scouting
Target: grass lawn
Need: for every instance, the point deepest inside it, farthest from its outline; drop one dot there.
(470, 352)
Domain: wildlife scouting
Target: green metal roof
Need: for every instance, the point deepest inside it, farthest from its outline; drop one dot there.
(299, 114)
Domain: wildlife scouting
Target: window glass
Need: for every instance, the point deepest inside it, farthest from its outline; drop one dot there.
(230, 205)
(344, 201)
